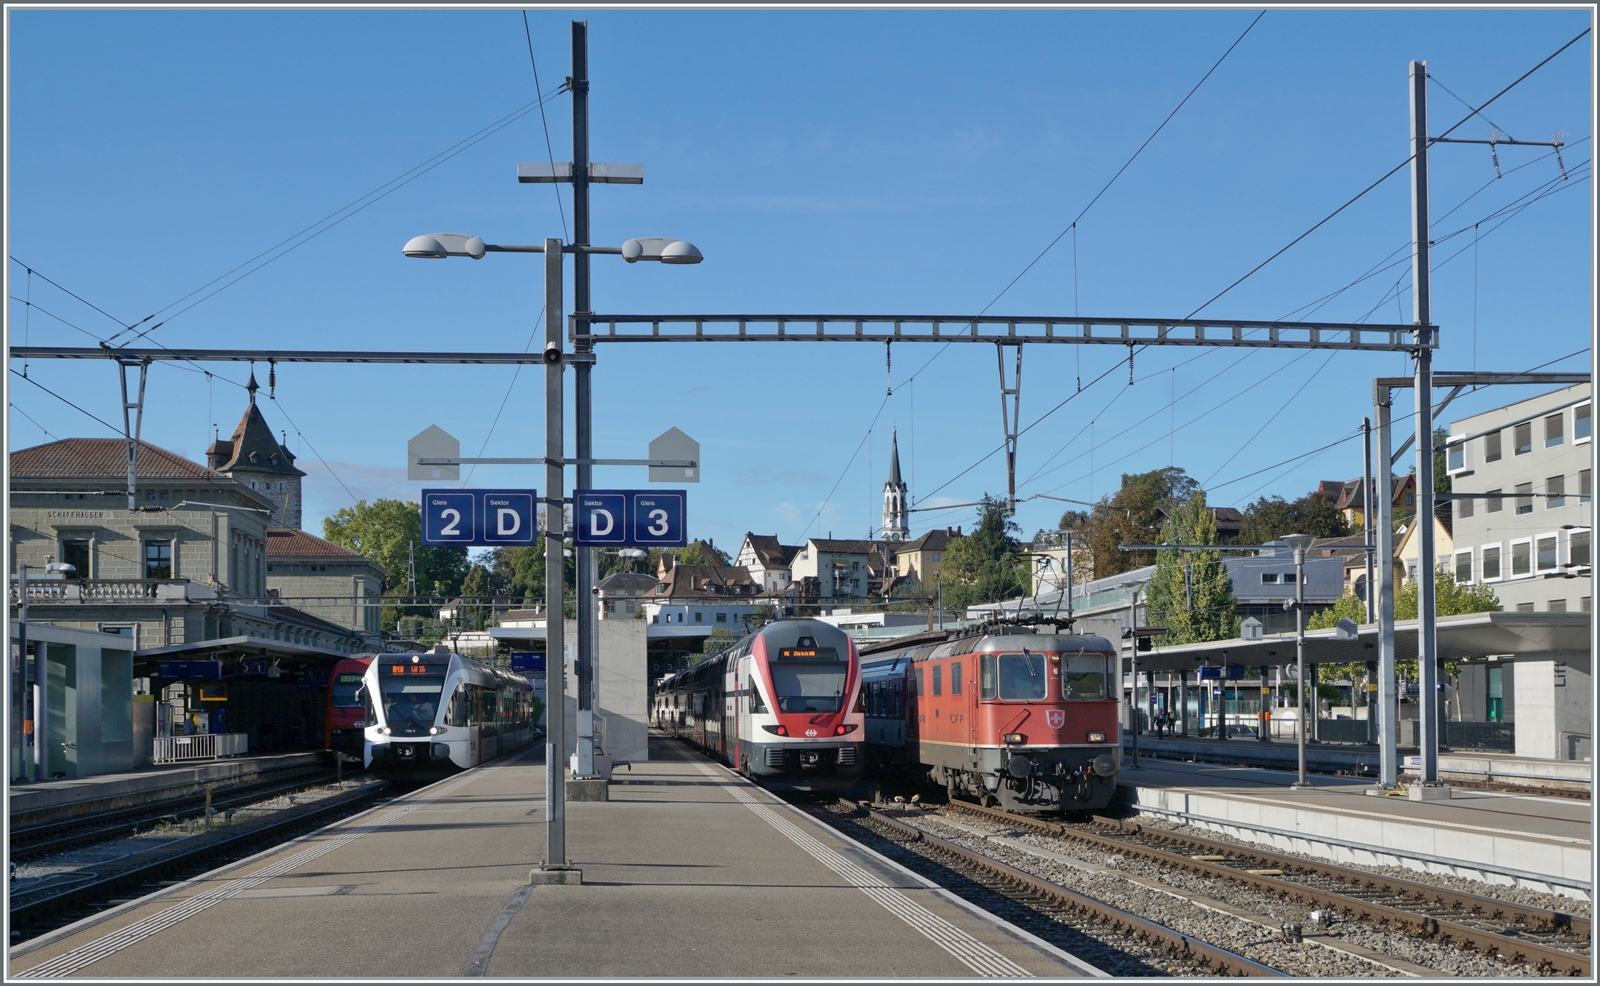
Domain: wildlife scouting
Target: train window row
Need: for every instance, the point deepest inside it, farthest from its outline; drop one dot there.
(474, 705)
(1004, 677)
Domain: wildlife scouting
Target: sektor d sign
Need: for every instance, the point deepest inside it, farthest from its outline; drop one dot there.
(630, 518)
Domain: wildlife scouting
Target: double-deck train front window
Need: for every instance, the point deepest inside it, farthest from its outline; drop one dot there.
(346, 688)
(1020, 677)
(808, 679)
(1085, 676)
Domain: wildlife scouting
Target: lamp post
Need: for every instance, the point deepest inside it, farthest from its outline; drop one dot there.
(436, 246)
(1298, 543)
(1133, 664)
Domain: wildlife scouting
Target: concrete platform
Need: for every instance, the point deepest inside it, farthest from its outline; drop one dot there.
(1471, 765)
(688, 872)
(58, 800)
(1540, 841)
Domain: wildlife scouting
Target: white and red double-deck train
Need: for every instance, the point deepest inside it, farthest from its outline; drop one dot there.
(1008, 715)
(440, 712)
(782, 706)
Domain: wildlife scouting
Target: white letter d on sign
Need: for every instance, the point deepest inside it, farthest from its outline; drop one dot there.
(507, 522)
(596, 519)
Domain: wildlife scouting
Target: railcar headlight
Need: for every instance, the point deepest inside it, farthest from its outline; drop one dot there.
(843, 728)
(435, 730)
(1097, 737)
(780, 730)
(383, 730)
(1014, 739)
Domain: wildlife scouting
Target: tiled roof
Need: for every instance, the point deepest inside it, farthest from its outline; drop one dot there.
(841, 547)
(286, 542)
(626, 581)
(252, 447)
(769, 552)
(102, 458)
(705, 580)
(935, 540)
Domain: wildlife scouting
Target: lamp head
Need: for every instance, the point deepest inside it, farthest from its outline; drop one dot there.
(437, 246)
(661, 248)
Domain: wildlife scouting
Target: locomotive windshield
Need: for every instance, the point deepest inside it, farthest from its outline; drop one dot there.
(1085, 676)
(1020, 677)
(411, 694)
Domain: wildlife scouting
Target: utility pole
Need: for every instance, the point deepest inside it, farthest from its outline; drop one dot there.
(582, 395)
(1388, 703)
(555, 664)
(1421, 293)
(1367, 497)
(19, 677)
(1298, 543)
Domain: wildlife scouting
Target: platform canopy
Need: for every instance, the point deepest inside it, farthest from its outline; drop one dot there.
(1469, 635)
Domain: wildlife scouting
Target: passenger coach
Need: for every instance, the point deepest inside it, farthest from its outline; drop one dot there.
(440, 712)
(782, 706)
(1009, 716)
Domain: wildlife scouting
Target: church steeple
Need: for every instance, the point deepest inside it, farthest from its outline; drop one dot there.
(896, 498)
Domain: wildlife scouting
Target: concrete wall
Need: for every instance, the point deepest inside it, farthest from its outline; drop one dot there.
(620, 688)
(1554, 706)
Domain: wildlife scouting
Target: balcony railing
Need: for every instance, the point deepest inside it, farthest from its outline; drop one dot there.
(46, 591)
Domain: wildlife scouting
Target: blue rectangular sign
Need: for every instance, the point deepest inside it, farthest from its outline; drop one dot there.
(630, 518)
(479, 518)
(524, 662)
(601, 516)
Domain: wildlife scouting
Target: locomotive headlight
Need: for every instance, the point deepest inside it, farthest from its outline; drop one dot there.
(1097, 737)
(843, 728)
(1014, 739)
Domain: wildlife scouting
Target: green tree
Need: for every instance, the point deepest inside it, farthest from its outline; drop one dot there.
(521, 570)
(720, 638)
(1441, 477)
(1269, 518)
(985, 565)
(1133, 516)
(474, 589)
(384, 530)
(1191, 594)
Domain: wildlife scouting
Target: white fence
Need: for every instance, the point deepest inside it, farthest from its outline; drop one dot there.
(201, 746)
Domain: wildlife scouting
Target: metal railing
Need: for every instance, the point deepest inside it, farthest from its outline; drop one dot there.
(200, 746)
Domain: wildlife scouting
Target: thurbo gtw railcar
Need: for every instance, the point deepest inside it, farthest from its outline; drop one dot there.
(782, 706)
(439, 712)
(1009, 716)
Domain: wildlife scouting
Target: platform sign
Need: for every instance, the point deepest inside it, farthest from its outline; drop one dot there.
(527, 663)
(479, 518)
(631, 518)
(602, 516)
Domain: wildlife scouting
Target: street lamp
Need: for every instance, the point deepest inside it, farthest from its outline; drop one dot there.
(439, 246)
(1298, 543)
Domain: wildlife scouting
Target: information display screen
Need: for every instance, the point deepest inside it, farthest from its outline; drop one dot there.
(808, 654)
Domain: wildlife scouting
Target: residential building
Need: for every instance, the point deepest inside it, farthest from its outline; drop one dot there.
(703, 595)
(839, 568)
(326, 580)
(769, 563)
(622, 595)
(896, 498)
(1529, 536)
(1409, 546)
(257, 460)
(1352, 504)
(922, 558)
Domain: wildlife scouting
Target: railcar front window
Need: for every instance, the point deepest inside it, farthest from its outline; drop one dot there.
(411, 697)
(808, 687)
(1022, 677)
(1085, 678)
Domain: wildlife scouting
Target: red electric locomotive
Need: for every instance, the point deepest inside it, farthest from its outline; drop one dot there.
(346, 719)
(1009, 715)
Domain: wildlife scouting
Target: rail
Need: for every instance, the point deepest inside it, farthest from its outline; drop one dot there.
(200, 746)
(91, 590)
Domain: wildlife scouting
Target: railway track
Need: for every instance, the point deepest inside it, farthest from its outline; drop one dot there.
(67, 897)
(1058, 902)
(42, 840)
(1551, 942)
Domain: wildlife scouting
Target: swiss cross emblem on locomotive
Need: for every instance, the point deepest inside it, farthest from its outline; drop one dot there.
(1056, 717)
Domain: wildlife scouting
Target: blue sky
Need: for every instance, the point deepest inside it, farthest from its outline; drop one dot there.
(824, 161)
